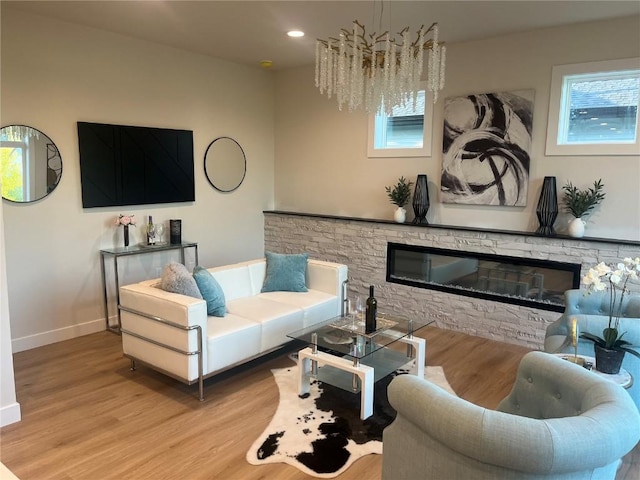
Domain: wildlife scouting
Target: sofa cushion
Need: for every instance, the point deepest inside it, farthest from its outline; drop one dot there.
(276, 319)
(286, 272)
(257, 273)
(211, 291)
(317, 306)
(234, 280)
(177, 279)
(231, 340)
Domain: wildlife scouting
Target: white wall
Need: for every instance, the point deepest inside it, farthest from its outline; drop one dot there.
(322, 165)
(55, 74)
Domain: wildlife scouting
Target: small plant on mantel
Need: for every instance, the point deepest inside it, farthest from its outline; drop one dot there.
(580, 202)
(400, 193)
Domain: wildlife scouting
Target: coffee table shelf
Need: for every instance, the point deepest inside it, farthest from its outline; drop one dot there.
(345, 358)
(383, 363)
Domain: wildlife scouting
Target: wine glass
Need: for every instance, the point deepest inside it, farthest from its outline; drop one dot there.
(159, 232)
(359, 307)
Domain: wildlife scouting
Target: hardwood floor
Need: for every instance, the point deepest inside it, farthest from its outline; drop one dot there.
(86, 416)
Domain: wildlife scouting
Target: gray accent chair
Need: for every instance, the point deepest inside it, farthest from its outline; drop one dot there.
(560, 421)
(592, 312)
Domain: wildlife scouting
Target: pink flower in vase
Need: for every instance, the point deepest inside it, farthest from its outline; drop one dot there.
(126, 220)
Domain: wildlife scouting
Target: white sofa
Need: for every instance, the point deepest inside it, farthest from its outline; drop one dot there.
(172, 333)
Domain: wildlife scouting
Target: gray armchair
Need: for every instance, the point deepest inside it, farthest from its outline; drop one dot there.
(592, 312)
(559, 421)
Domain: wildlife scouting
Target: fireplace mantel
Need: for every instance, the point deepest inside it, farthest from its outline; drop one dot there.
(453, 227)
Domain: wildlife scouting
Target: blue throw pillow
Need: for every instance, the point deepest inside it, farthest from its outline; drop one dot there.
(287, 273)
(211, 291)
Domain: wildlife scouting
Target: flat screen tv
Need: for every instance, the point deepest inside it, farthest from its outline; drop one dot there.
(124, 165)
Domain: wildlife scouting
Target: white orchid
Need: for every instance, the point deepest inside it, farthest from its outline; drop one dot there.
(592, 280)
(601, 269)
(615, 277)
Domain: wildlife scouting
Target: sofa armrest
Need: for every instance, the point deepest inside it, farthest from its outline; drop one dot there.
(593, 324)
(166, 330)
(326, 277)
(176, 308)
(592, 312)
(556, 335)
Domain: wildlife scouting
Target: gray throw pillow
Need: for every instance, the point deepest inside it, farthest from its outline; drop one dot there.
(211, 291)
(177, 279)
(286, 273)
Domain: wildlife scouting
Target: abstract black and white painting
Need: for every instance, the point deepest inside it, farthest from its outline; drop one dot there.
(486, 144)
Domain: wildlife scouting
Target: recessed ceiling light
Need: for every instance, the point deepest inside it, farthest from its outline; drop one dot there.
(295, 33)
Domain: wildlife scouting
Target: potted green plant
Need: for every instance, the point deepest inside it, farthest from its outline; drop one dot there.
(399, 195)
(578, 202)
(610, 348)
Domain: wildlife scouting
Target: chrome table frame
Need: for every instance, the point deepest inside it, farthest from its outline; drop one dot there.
(116, 253)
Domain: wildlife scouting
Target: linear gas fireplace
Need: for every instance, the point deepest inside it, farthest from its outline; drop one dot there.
(520, 281)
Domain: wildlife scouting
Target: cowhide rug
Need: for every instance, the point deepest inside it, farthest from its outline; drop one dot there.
(322, 434)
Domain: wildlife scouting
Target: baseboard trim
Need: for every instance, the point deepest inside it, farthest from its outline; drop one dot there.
(58, 335)
(10, 414)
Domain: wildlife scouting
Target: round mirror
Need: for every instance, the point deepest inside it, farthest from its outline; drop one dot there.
(225, 164)
(31, 165)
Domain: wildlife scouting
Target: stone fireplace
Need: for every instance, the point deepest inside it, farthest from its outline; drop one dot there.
(362, 245)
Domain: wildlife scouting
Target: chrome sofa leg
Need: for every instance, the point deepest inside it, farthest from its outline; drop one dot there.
(133, 365)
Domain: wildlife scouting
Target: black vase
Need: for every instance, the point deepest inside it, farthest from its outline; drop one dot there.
(608, 361)
(126, 235)
(421, 200)
(547, 210)
(175, 232)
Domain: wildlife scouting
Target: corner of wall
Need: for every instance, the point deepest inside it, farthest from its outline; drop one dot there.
(9, 407)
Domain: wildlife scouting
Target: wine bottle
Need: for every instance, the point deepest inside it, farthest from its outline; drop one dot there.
(151, 232)
(370, 316)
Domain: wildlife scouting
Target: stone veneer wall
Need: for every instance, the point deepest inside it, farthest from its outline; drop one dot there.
(361, 244)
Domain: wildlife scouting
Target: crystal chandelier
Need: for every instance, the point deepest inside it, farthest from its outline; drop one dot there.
(375, 72)
(18, 133)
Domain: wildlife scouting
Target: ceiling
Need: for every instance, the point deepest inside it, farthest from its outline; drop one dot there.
(250, 31)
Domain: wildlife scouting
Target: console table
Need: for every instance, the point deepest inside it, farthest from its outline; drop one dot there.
(118, 252)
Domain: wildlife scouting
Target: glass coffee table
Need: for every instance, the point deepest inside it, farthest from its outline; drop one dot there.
(341, 354)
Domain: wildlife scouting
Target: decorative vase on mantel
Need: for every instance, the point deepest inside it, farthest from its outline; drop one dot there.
(400, 215)
(576, 228)
(421, 200)
(608, 360)
(547, 210)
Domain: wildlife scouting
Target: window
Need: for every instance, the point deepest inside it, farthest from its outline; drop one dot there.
(593, 109)
(404, 133)
(13, 164)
